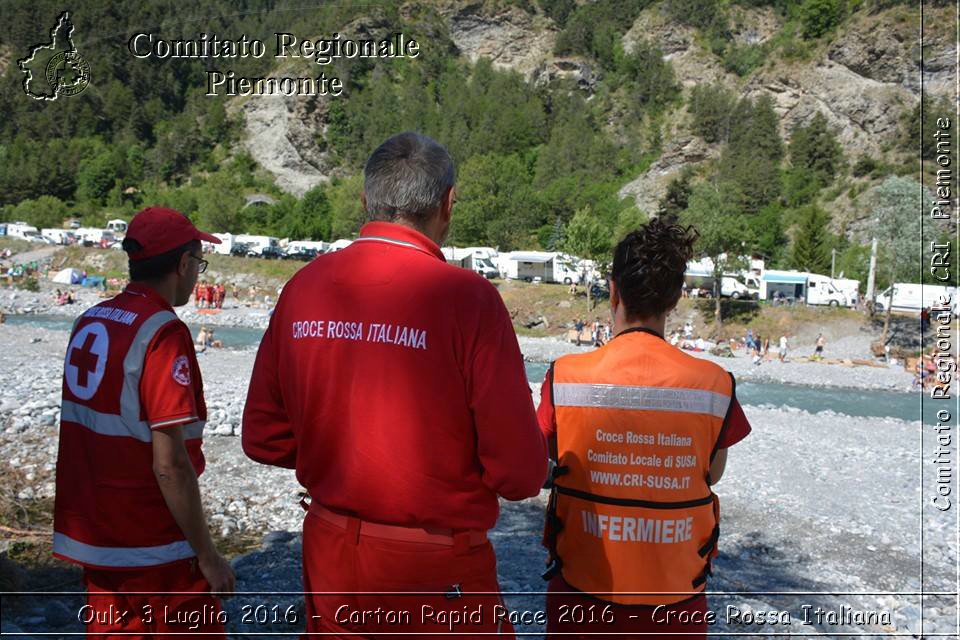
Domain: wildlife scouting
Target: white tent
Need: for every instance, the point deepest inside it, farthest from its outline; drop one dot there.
(68, 276)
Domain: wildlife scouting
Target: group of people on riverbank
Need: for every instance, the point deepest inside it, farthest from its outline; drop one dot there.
(600, 332)
(208, 295)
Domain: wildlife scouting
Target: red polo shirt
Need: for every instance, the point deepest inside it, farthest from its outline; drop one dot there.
(394, 384)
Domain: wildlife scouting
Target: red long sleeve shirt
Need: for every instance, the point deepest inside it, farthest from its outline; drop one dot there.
(394, 384)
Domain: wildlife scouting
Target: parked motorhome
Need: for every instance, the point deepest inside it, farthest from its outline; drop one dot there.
(256, 244)
(23, 231)
(298, 246)
(531, 265)
(801, 286)
(90, 237)
(914, 297)
(59, 236)
(471, 258)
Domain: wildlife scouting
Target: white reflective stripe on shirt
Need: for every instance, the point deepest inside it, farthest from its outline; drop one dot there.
(133, 364)
(107, 424)
(608, 396)
(104, 424)
(120, 556)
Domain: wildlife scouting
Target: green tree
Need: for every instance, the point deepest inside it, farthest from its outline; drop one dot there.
(495, 203)
(811, 245)
(716, 214)
(678, 195)
(650, 81)
(766, 232)
(630, 219)
(815, 148)
(751, 159)
(44, 212)
(800, 186)
(711, 107)
(347, 212)
(898, 231)
(817, 17)
(97, 176)
(314, 217)
(587, 237)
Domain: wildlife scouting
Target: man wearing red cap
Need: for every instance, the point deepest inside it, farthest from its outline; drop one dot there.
(394, 384)
(127, 503)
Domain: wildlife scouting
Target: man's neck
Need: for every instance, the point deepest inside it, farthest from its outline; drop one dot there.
(432, 229)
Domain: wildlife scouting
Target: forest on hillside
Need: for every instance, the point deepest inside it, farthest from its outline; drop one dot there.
(538, 166)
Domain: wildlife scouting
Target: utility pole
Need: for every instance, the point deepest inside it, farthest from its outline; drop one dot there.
(872, 277)
(833, 261)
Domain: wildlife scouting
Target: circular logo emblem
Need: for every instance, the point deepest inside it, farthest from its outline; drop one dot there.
(68, 73)
(181, 370)
(86, 360)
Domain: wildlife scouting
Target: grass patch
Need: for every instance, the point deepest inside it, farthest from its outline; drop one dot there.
(526, 301)
(279, 270)
(16, 245)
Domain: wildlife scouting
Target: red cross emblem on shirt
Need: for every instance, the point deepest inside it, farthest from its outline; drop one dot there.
(85, 359)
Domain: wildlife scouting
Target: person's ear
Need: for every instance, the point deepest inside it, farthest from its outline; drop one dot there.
(614, 296)
(184, 265)
(446, 209)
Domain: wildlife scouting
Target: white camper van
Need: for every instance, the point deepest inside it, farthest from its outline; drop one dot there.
(800, 286)
(914, 297)
(59, 236)
(472, 258)
(822, 290)
(24, 231)
(547, 266)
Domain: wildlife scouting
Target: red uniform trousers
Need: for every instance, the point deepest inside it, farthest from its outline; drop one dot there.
(195, 612)
(338, 560)
(561, 614)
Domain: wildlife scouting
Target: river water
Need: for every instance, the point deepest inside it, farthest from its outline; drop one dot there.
(810, 398)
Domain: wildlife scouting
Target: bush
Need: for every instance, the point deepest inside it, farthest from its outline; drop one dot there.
(818, 17)
(742, 60)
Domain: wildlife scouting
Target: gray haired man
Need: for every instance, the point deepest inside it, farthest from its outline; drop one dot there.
(393, 383)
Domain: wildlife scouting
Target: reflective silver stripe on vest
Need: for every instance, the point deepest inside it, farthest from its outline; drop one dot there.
(128, 423)
(108, 424)
(609, 396)
(133, 368)
(120, 556)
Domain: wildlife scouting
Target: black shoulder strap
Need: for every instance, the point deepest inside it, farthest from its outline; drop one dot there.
(726, 418)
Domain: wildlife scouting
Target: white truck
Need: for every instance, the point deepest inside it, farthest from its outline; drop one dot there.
(542, 266)
(913, 298)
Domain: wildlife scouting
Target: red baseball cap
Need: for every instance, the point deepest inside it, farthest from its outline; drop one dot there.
(159, 230)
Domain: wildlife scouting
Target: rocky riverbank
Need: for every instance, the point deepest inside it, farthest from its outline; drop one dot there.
(799, 512)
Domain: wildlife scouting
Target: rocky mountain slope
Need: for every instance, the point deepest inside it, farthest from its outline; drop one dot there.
(864, 78)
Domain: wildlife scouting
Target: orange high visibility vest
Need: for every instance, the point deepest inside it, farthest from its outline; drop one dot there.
(638, 423)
